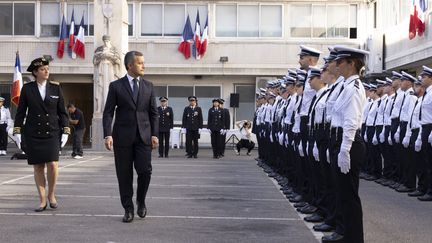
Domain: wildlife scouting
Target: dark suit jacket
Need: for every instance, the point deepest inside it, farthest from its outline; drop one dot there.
(130, 116)
(166, 119)
(42, 117)
(192, 118)
(216, 119)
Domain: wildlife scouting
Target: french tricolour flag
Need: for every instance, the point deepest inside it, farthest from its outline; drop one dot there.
(17, 82)
(204, 39)
(187, 36)
(79, 47)
(63, 36)
(197, 38)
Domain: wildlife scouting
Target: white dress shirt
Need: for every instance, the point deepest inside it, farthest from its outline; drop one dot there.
(408, 105)
(397, 104)
(427, 107)
(331, 98)
(318, 106)
(308, 95)
(42, 89)
(290, 108)
(387, 118)
(380, 118)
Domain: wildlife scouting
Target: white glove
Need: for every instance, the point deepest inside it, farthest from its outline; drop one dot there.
(397, 137)
(300, 148)
(374, 140)
(328, 156)
(64, 139)
(381, 137)
(344, 161)
(390, 141)
(18, 140)
(281, 138)
(430, 138)
(365, 137)
(418, 145)
(307, 149)
(406, 141)
(286, 140)
(271, 138)
(316, 153)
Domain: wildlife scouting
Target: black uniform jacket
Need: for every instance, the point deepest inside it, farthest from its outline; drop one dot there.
(130, 116)
(192, 118)
(42, 117)
(166, 119)
(216, 119)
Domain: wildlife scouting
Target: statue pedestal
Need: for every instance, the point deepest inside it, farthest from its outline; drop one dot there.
(98, 142)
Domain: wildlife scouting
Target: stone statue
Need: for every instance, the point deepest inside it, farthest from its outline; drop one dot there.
(107, 67)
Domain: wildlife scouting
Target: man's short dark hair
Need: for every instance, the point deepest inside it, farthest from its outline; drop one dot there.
(130, 57)
(70, 105)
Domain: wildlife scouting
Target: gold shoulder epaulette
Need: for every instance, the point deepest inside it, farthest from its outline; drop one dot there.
(54, 82)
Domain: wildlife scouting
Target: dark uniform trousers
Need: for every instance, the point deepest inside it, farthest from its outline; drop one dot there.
(395, 150)
(216, 143)
(164, 138)
(192, 137)
(415, 165)
(427, 153)
(347, 186)
(404, 159)
(306, 166)
(3, 137)
(374, 161)
(386, 151)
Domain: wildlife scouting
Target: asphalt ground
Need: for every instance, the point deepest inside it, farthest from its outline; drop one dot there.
(189, 200)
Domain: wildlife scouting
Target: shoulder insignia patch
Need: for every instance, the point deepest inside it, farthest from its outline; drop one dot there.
(357, 84)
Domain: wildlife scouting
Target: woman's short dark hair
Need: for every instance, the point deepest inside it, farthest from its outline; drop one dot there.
(130, 57)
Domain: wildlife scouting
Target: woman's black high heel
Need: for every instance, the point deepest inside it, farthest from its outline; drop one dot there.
(53, 205)
(41, 209)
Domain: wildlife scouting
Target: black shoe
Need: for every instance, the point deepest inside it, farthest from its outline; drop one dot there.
(41, 209)
(416, 193)
(323, 227)
(53, 205)
(314, 218)
(425, 197)
(128, 217)
(371, 178)
(195, 156)
(166, 155)
(308, 209)
(388, 183)
(394, 186)
(300, 204)
(215, 157)
(403, 189)
(335, 237)
(160, 156)
(189, 156)
(296, 199)
(142, 210)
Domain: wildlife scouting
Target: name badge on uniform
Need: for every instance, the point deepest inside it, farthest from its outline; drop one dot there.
(167, 113)
(54, 96)
(196, 113)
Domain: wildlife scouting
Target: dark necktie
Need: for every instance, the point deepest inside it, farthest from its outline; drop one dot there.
(412, 114)
(135, 89)
(420, 112)
(403, 100)
(312, 104)
(394, 101)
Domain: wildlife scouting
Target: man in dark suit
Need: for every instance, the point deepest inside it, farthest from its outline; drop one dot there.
(192, 121)
(166, 122)
(215, 125)
(227, 120)
(134, 133)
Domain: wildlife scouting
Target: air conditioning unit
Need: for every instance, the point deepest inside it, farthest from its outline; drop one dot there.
(374, 44)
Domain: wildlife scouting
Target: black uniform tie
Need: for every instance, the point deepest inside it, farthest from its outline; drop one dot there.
(420, 112)
(135, 89)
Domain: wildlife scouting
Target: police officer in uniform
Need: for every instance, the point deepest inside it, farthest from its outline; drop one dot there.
(41, 105)
(5, 118)
(227, 120)
(216, 123)
(192, 121)
(166, 122)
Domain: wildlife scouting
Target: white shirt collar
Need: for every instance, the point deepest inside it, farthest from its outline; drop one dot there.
(319, 92)
(429, 89)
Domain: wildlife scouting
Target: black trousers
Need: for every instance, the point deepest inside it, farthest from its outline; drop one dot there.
(216, 143)
(126, 158)
(427, 153)
(192, 137)
(374, 160)
(3, 137)
(223, 139)
(164, 138)
(77, 142)
(386, 151)
(244, 143)
(420, 164)
(347, 189)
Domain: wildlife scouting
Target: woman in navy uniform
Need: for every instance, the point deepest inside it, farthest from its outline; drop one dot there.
(166, 122)
(192, 121)
(215, 125)
(41, 105)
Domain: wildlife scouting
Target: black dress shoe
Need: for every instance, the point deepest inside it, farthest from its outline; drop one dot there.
(142, 210)
(426, 197)
(323, 227)
(53, 205)
(308, 210)
(189, 156)
(300, 204)
(128, 217)
(335, 237)
(195, 156)
(41, 209)
(404, 189)
(296, 199)
(388, 183)
(160, 156)
(416, 193)
(314, 218)
(394, 186)
(166, 155)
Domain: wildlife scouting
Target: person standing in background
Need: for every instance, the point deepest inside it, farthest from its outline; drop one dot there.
(76, 119)
(166, 122)
(227, 120)
(192, 121)
(5, 118)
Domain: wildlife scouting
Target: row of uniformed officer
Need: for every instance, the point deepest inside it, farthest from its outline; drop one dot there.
(401, 158)
(308, 131)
